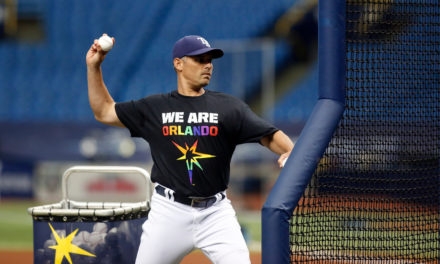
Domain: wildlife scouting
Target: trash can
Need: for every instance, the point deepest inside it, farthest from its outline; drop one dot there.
(79, 232)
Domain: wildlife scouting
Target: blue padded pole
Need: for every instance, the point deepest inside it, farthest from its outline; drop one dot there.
(331, 51)
(294, 178)
(314, 137)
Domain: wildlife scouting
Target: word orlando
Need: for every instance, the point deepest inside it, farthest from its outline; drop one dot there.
(189, 130)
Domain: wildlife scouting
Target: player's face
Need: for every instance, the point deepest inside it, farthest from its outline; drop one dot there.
(198, 69)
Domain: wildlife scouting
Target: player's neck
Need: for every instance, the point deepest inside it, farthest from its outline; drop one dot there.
(188, 90)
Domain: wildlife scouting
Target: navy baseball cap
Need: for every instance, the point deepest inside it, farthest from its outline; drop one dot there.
(193, 46)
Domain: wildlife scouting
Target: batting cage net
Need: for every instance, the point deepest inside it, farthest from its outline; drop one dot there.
(374, 197)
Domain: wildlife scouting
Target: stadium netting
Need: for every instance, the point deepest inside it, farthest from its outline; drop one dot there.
(374, 197)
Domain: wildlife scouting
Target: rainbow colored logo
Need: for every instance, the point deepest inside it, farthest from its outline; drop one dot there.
(191, 156)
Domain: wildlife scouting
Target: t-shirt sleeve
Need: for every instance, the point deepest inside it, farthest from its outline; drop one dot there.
(130, 115)
(253, 128)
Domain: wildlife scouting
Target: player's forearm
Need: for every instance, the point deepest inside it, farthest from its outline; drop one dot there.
(278, 143)
(99, 98)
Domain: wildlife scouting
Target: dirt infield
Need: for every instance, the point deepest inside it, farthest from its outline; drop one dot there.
(26, 257)
(19, 257)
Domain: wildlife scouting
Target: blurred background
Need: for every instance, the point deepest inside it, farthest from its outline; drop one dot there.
(46, 124)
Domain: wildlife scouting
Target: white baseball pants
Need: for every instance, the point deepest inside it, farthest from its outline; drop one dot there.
(173, 230)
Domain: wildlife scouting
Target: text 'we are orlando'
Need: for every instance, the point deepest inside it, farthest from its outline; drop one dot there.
(191, 118)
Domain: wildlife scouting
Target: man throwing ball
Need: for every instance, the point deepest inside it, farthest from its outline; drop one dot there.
(192, 133)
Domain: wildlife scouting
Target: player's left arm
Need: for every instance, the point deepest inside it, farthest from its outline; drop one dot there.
(278, 143)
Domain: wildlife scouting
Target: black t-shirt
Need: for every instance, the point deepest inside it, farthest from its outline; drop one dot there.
(192, 139)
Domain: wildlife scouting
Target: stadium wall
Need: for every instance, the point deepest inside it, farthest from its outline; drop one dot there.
(314, 138)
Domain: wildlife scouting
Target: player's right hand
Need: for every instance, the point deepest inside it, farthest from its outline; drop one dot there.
(95, 56)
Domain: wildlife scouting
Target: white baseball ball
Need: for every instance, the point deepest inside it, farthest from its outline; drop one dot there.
(96, 238)
(100, 228)
(105, 42)
(81, 238)
(283, 163)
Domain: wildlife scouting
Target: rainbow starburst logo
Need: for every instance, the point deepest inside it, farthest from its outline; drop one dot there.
(191, 156)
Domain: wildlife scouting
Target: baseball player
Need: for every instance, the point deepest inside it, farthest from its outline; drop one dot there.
(192, 133)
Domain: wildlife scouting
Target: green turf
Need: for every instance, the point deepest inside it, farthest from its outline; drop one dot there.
(250, 222)
(15, 225)
(366, 237)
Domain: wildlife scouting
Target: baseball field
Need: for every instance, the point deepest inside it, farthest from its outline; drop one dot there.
(16, 235)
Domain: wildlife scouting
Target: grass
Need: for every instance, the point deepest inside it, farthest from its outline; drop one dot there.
(250, 221)
(408, 237)
(15, 225)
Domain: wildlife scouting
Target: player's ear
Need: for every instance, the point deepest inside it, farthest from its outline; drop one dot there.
(178, 64)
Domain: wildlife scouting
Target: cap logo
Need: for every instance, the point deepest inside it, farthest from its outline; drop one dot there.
(204, 42)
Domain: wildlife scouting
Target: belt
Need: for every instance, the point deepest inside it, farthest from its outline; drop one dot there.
(198, 202)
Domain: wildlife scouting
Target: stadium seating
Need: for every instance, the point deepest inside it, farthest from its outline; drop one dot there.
(297, 105)
(46, 81)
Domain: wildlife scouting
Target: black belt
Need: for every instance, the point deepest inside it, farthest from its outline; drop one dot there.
(199, 202)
